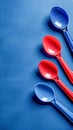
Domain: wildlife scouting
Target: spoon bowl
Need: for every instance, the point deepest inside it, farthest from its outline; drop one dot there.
(59, 18)
(48, 69)
(51, 45)
(44, 92)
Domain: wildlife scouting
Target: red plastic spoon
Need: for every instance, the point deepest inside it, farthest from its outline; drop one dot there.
(52, 47)
(49, 71)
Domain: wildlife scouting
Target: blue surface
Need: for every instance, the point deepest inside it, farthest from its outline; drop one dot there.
(22, 27)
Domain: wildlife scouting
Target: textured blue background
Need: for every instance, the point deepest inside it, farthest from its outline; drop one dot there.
(23, 23)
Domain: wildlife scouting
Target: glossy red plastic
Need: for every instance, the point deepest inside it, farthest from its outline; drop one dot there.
(50, 72)
(52, 47)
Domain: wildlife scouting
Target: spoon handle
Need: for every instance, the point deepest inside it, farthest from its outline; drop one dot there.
(68, 38)
(66, 68)
(64, 111)
(66, 90)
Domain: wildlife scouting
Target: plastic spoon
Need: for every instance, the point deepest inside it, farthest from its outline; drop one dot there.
(50, 72)
(59, 19)
(53, 47)
(46, 94)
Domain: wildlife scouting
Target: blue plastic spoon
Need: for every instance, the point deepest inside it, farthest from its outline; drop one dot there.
(46, 94)
(59, 19)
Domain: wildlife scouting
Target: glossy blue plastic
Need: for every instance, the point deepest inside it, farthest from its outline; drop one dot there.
(59, 19)
(46, 94)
